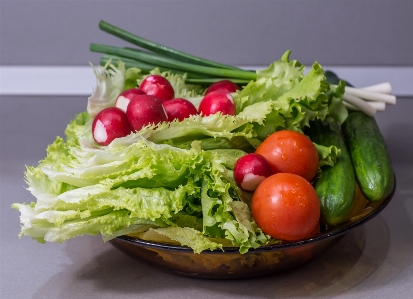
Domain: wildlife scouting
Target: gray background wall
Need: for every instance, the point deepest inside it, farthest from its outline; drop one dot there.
(363, 32)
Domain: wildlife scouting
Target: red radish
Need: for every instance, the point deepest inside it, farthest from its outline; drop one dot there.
(215, 102)
(144, 110)
(224, 86)
(250, 170)
(110, 123)
(179, 109)
(126, 96)
(158, 86)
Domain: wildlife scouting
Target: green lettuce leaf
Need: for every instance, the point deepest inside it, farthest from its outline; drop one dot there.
(189, 237)
(327, 155)
(110, 83)
(292, 98)
(176, 178)
(141, 182)
(181, 88)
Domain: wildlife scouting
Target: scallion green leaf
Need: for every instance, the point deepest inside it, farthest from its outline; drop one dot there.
(158, 48)
(166, 62)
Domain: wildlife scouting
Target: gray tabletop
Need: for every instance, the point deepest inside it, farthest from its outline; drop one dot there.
(372, 261)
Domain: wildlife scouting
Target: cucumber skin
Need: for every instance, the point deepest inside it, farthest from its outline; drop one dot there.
(368, 151)
(336, 187)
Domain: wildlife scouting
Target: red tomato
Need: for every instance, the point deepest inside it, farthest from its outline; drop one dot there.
(292, 152)
(286, 206)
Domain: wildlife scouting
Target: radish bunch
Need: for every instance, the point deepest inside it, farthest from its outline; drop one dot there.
(153, 102)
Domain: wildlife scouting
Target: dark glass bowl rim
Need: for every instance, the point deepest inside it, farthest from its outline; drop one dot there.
(335, 232)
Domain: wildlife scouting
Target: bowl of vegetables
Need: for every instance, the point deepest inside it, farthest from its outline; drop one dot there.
(209, 170)
(230, 264)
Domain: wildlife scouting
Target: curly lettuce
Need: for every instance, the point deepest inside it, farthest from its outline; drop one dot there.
(173, 180)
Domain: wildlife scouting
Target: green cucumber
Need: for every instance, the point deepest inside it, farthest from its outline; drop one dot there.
(336, 186)
(368, 151)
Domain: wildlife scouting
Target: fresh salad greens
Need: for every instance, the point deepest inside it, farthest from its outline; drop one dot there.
(174, 179)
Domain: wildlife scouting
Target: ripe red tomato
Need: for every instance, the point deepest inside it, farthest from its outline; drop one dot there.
(292, 152)
(286, 206)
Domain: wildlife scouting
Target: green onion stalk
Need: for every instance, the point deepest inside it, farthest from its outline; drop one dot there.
(205, 72)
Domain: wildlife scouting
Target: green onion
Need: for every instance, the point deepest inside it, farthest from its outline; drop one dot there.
(171, 63)
(129, 63)
(206, 72)
(145, 67)
(160, 49)
(145, 52)
(209, 81)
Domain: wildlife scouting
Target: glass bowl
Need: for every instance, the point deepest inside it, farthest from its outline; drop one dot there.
(230, 264)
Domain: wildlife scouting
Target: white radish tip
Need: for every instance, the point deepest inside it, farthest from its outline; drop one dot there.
(99, 133)
(251, 181)
(122, 103)
(229, 96)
